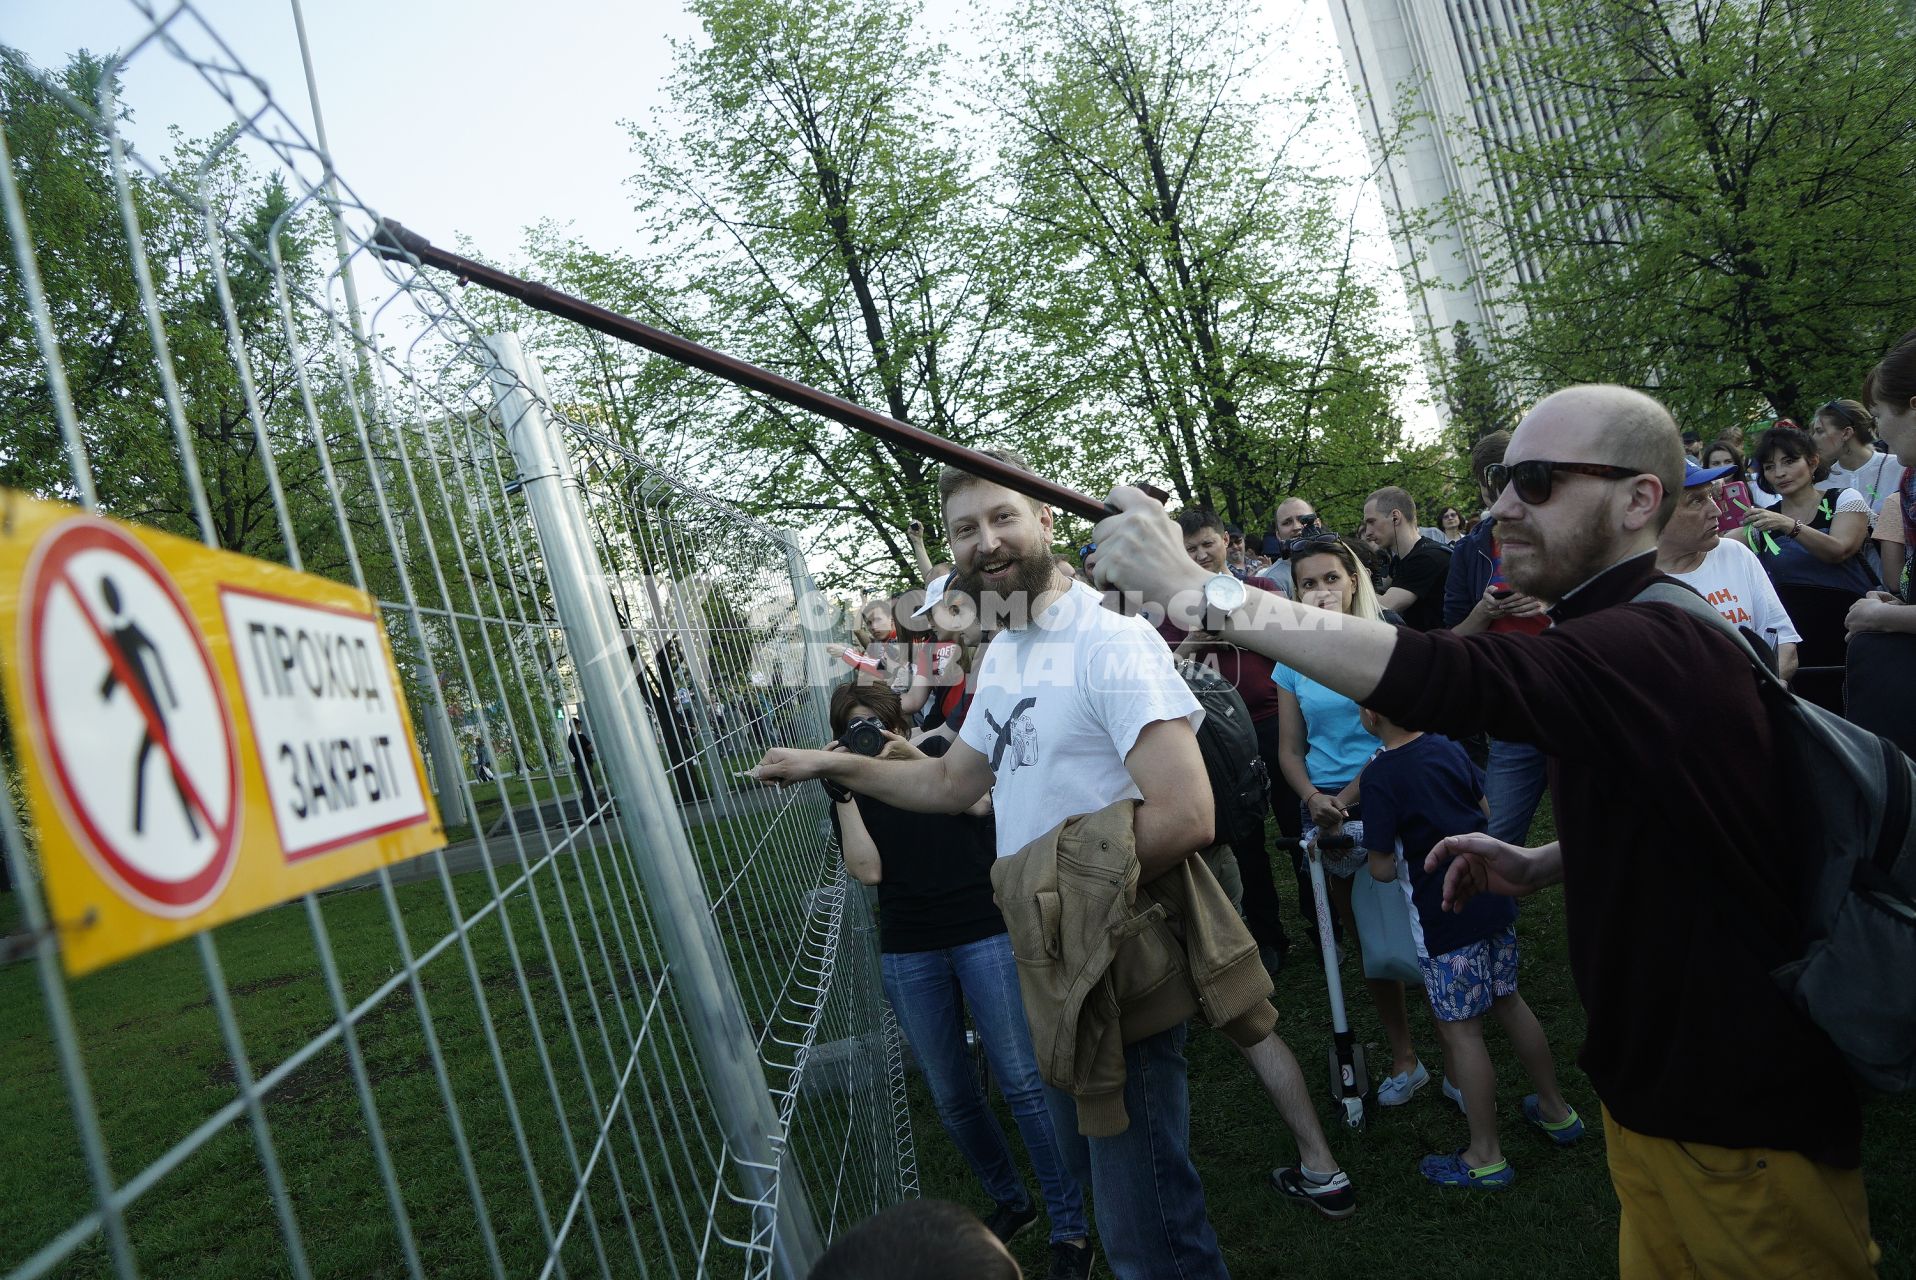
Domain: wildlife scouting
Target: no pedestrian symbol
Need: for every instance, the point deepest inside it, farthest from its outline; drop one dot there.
(138, 736)
(201, 734)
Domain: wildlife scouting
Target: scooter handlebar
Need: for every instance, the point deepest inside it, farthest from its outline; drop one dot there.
(1325, 840)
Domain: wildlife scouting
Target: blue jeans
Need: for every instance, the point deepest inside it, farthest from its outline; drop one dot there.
(1514, 780)
(1151, 1220)
(924, 989)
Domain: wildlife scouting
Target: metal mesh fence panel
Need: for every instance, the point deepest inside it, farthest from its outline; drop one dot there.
(510, 1056)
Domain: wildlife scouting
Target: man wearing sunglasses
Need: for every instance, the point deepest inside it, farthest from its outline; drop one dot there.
(1727, 1112)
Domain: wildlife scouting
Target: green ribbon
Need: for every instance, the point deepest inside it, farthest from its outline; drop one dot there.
(1768, 541)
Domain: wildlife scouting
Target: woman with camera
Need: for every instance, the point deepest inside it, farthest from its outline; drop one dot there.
(944, 942)
(1812, 545)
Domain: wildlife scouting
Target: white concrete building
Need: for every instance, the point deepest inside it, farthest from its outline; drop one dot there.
(1434, 60)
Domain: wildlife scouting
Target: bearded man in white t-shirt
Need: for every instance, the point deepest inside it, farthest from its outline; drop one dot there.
(1076, 707)
(1723, 571)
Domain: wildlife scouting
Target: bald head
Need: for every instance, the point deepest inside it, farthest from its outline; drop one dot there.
(1601, 423)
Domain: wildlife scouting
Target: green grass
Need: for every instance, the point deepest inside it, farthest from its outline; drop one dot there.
(1559, 1220)
(490, 799)
(158, 1067)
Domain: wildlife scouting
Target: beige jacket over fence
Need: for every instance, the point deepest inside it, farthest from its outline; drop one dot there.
(1104, 962)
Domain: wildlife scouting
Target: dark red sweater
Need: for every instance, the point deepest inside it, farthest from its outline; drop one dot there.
(1248, 672)
(1680, 876)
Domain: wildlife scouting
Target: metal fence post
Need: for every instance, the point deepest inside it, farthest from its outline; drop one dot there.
(812, 621)
(630, 756)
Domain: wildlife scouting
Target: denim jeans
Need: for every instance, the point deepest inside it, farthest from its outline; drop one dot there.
(924, 988)
(1513, 784)
(1151, 1219)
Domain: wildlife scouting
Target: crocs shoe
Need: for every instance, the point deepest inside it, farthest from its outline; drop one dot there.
(1564, 1133)
(1396, 1090)
(1451, 1171)
(1334, 1197)
(1456, 1096)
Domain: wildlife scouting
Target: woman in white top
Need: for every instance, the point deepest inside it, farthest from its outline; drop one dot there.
(1844, 432)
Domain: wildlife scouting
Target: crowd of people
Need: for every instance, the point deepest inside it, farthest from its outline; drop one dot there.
(1016, 767)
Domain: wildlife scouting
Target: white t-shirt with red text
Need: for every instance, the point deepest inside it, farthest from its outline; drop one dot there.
(1732, 578)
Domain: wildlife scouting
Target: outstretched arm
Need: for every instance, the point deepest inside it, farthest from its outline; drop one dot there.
(1139, 550)
(950, 783)
(920, 557)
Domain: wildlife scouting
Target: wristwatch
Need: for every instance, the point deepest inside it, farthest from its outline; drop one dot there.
(1224, 595)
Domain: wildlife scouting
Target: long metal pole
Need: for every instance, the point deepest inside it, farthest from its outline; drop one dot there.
(708, 995)
(394, 241)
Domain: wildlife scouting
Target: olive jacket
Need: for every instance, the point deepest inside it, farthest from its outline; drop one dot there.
(1104, 961)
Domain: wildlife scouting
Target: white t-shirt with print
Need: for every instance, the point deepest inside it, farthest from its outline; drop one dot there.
(1059, 704)
(1732, 578)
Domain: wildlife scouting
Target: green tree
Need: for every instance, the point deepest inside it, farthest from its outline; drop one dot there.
(204, 211)
(1177, 257)
(1473, 392)
(1724, 220)
(821, 226)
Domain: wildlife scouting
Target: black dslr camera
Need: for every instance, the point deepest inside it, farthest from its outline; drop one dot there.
(1279, 548)
(863, 737)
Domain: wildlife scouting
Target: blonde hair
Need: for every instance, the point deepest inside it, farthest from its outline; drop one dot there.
(1364, 601)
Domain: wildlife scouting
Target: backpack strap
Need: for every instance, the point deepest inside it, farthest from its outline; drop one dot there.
(1703, 611)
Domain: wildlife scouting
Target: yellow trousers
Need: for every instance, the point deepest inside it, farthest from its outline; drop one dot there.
(1695, 1211)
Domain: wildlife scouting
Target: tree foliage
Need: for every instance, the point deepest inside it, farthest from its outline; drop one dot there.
(1723, 215)
(1474, 393)
(824, 225)
(1193, 287)
(114, 372)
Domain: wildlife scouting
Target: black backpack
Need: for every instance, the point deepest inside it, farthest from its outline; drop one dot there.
(1240, 784)
(1854, 976)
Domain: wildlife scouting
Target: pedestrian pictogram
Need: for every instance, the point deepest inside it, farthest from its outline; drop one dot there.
(132, 718)
(202, 734)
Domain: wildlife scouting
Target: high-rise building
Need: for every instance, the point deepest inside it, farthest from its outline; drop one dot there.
(1420, 69)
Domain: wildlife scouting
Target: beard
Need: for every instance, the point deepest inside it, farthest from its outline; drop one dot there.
(1007, 603)
(1550, 569)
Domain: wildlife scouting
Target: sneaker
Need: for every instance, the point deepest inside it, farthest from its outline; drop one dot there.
(1456, 1096)
(1451, 1171)
(1334, 1197)
(1396, 1090)
(1069, 1261)
(1009, 1220)
(1564, 1132)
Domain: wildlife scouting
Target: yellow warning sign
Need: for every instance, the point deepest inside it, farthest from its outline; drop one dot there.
(203, 734)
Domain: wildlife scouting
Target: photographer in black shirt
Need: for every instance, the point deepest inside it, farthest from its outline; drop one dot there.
(942, 939)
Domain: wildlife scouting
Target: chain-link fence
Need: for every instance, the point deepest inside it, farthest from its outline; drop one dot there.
(628, 1020)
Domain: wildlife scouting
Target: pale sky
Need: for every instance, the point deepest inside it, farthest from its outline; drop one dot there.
(483, 117)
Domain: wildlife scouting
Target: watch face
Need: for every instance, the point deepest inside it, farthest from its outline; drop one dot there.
(1224, 592)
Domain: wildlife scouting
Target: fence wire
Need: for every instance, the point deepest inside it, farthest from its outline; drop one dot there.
(499, 1058)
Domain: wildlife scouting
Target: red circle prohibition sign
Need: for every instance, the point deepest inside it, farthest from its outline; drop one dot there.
(50, 577)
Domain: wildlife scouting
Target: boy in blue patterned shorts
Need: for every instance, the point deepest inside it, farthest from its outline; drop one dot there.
(1420, 789)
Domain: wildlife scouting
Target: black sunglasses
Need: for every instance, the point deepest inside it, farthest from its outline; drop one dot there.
(1532, 476)
(1316, 541)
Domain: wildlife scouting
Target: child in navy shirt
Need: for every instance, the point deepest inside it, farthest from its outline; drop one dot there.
(1418, 790)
